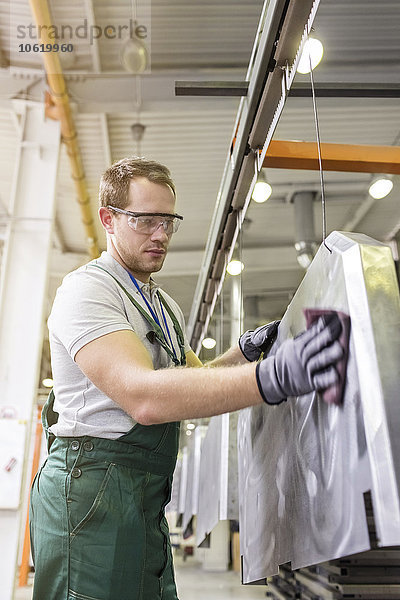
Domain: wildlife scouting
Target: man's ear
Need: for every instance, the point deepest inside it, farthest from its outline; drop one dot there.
(107, 219)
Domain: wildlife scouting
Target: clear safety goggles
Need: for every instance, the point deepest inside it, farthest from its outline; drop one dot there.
(150, 222)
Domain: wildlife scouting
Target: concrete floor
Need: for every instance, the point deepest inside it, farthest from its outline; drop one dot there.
(196, 584)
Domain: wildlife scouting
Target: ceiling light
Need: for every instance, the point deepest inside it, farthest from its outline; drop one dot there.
(235, 267)
(190, 426)
(48, 383)
(314, 50)
(305, 253)
(188, 432)
(137, 130)
(380, 188)
(209, 343)
(262, 191)
(304, 259)
(134, 56)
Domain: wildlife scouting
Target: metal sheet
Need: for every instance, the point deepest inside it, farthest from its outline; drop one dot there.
(183, 484)
(218, 491)
(173, 505)
(193, 475)
(304, 465)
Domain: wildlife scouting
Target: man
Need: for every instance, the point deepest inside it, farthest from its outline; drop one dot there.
(97, 506)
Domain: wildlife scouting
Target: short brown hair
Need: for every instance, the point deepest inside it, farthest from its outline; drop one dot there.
(114, 183)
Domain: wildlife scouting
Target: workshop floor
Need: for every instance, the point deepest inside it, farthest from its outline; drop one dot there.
(195, 584)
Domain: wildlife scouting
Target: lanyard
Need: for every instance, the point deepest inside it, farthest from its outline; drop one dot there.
(166, 324)
(156, 329)
(154, 315)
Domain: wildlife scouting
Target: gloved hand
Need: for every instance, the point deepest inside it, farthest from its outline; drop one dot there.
(252, 343)
(302, 364)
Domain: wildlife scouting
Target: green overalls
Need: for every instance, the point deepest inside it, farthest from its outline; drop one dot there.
(98, 529)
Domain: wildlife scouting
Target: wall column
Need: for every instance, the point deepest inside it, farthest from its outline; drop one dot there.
(23, 287)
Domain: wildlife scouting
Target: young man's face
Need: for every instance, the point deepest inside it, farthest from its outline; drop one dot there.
(141, 253)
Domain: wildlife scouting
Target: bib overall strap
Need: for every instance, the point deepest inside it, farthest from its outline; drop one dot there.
(159, 334)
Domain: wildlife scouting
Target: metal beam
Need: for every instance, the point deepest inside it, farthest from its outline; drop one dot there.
(211, 88)
(160, 86)
(346, 90)
(335, 157)
(282, 31)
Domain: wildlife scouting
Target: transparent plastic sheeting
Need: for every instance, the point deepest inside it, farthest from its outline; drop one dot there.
(304, 465)
(218, 490)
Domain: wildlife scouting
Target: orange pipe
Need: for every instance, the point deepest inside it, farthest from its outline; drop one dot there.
(24, 570)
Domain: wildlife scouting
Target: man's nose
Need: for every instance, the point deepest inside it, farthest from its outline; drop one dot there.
(159, 233)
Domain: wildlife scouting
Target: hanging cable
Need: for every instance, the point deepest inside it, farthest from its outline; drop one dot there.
(321, 172)
(138, 95)
(240, 244)
(221, 323)
(134, 10)
(137, 129)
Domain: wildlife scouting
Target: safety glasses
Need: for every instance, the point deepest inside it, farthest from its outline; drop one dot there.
(150, 222)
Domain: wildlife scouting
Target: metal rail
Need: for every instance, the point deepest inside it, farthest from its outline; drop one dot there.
(280, 36)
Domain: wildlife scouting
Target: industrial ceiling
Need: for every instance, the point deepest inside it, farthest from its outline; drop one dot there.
(192, 135)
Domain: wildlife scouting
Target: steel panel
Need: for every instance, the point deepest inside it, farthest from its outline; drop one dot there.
(218, 490)
(193, 475)
(304, 465)
(173, 504)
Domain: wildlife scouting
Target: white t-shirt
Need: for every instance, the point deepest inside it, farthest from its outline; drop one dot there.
(89, 304)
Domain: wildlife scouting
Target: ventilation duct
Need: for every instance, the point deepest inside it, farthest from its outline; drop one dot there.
(305, 242)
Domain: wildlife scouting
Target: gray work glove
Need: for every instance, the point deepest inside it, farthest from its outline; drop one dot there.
(253, 343)
(302, 364)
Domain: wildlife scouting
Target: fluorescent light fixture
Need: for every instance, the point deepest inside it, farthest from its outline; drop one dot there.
(235, 267)
(48, 383)
(190, 426)
(313, 49)
(262, 191)
(209, 343)
(380, 188)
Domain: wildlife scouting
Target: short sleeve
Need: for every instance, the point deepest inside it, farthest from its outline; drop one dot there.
(87, 306)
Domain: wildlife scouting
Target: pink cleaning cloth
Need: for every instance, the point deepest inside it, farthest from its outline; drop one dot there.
(335, 393)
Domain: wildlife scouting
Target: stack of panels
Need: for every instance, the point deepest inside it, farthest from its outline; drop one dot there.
(173, 505)
(218, 490)
(191, 493)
